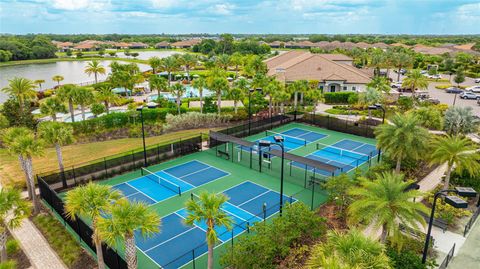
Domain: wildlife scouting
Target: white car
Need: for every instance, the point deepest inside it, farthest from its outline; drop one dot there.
(477, 80)
(434, 76)
(475, 89)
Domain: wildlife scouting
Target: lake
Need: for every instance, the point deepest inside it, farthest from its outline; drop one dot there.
(73, 72)
(145, 55)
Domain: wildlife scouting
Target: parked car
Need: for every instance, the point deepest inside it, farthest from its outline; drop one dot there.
(477, 80)
(402, 71)
(453, 90)
(475, 89)
(469, 95)
(396, 85)
(434, 76)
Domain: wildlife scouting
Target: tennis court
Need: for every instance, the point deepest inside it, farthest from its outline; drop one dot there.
(249, 203)
(154, 187)
(346, 154)
(293, 138)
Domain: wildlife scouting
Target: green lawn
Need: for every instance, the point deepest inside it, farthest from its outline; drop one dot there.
(81, 153)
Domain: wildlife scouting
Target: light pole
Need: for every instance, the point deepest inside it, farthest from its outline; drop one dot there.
(279, 142)
(454, 201)
(143, 137)
(375, 107)
(250, 91)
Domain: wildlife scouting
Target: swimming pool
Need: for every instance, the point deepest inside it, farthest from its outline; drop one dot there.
(190, 92)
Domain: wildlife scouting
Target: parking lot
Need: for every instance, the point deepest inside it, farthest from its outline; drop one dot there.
(448, 98)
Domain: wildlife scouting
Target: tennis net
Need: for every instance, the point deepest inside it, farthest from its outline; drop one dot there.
(288, 138)
(343, 152)
(162, 181)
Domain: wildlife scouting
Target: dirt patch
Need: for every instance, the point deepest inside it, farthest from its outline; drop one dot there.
(335, 221)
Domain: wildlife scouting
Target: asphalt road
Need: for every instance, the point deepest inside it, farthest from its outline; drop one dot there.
(448, 98)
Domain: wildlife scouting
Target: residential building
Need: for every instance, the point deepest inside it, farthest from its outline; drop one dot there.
(138, 45)
(186, 43)
(334, 72)
(162, 45)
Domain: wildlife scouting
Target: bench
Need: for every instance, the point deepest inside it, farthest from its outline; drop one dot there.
(225, 154)
(440, 223)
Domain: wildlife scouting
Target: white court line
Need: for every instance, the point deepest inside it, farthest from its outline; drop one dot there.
(196, 172)
(175, 178)
(154, 200)
(253, 198)
(149, 257)
(193, 223)
(170, 239)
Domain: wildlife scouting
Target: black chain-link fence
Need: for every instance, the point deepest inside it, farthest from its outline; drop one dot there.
(363, 128)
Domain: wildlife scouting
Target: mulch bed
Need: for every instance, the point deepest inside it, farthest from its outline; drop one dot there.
(20, 257)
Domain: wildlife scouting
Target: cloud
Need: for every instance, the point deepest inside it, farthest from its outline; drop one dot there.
(469, 12)
(165, 3)
(222, 9)
(70, 5)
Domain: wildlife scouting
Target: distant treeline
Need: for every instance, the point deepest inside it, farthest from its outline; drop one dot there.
(26, 47)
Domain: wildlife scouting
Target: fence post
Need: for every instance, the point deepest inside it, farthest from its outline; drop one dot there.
(105, 166)
(193, 258)
(133, 160)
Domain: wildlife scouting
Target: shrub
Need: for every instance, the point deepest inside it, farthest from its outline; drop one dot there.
(405, 259)
(405, 103)
(10, 264)
(430, 117)
(193, 120)
(460, 120)
(445, 211)
(339, 97)
(12, 246)
(270, 242)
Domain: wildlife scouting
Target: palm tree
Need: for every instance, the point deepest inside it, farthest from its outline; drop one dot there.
(295, 88)
(255, 65)
(236, 94)
(91, 201)
(377, 61)
(403, 137)
(223, 61)
(456, 151)
(124, 220)
(380, 84)
(271, 88)
(208, 209)
(158, 83)
(22, 90)
(460, 120)
(282, 97)
(39, 82)
(51, 106)
(385, 202)
(236, 59)
(199, 84)
(401, 60)
(13, 209)
(84, 96)
(219, 85)
(415, 81)
(107, 96)
(170, 64)
(155, 63)
(21, 141)
(178, 90)
(57, 78)
(58, 134)
(188, 61)
(349, 250)
(370, 97)
(68, 93)
(94, 67)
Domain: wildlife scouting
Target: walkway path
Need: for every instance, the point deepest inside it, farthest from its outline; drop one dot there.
(37, 249)
(467, 256)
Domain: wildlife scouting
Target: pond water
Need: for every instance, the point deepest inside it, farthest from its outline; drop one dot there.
(73, 72)
(145, 55)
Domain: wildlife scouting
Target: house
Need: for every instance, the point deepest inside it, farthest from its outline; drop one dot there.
(431, 50)
(138, 45)
(363, 45)
(380, 45)
(63, 46)
(276, 44)
(85, 47)
(184, 44)
(162, 45)
(121, 45)
(334, 72)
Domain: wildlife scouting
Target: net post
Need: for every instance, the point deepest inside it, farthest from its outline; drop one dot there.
(191, 196)
(248, 227)
(193, 258)
(264, 208)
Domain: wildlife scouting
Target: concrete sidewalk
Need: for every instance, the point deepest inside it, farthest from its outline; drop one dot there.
(37, 249)
(467, 256)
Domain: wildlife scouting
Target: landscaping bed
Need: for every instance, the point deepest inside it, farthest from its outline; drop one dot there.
(15, 253)
(62, 242)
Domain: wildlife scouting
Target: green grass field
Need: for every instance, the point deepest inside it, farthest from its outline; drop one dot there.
(240, 172)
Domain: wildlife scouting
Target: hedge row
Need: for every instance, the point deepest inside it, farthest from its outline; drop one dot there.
(119, 120)
(338, 97)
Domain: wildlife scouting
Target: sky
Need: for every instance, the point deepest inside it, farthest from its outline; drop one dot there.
(240, 16)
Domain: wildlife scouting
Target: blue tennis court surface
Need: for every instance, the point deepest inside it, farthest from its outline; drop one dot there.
(293, 138)
(164, 184)
(346, 155)
(172, 248)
